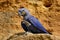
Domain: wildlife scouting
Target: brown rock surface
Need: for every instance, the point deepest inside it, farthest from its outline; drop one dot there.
(30, 36)
(47, 12)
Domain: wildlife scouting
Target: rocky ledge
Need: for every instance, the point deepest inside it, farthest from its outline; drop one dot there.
(30, 36)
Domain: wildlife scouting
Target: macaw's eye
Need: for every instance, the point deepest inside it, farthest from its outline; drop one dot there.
(19, 11)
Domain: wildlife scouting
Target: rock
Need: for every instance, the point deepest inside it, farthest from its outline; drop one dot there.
(30, 36)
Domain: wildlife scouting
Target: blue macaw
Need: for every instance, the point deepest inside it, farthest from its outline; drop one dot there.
(35, 27)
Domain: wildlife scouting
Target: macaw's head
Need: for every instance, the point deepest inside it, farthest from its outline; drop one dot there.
(23, 12)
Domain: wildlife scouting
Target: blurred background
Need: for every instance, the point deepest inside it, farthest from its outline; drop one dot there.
(47, 12)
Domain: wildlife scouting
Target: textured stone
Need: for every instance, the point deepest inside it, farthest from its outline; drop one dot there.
(30, 36)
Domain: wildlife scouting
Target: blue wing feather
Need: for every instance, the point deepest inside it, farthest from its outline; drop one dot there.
(37, 24)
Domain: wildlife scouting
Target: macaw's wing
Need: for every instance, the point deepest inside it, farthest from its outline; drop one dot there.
(24, 26)
(37, 24)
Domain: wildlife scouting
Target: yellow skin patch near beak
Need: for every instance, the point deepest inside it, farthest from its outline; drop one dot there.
(23, 13)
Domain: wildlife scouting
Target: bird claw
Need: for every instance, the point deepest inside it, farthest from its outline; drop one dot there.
(28, 33)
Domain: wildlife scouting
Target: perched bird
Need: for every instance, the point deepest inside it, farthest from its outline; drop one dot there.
(30, 23)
